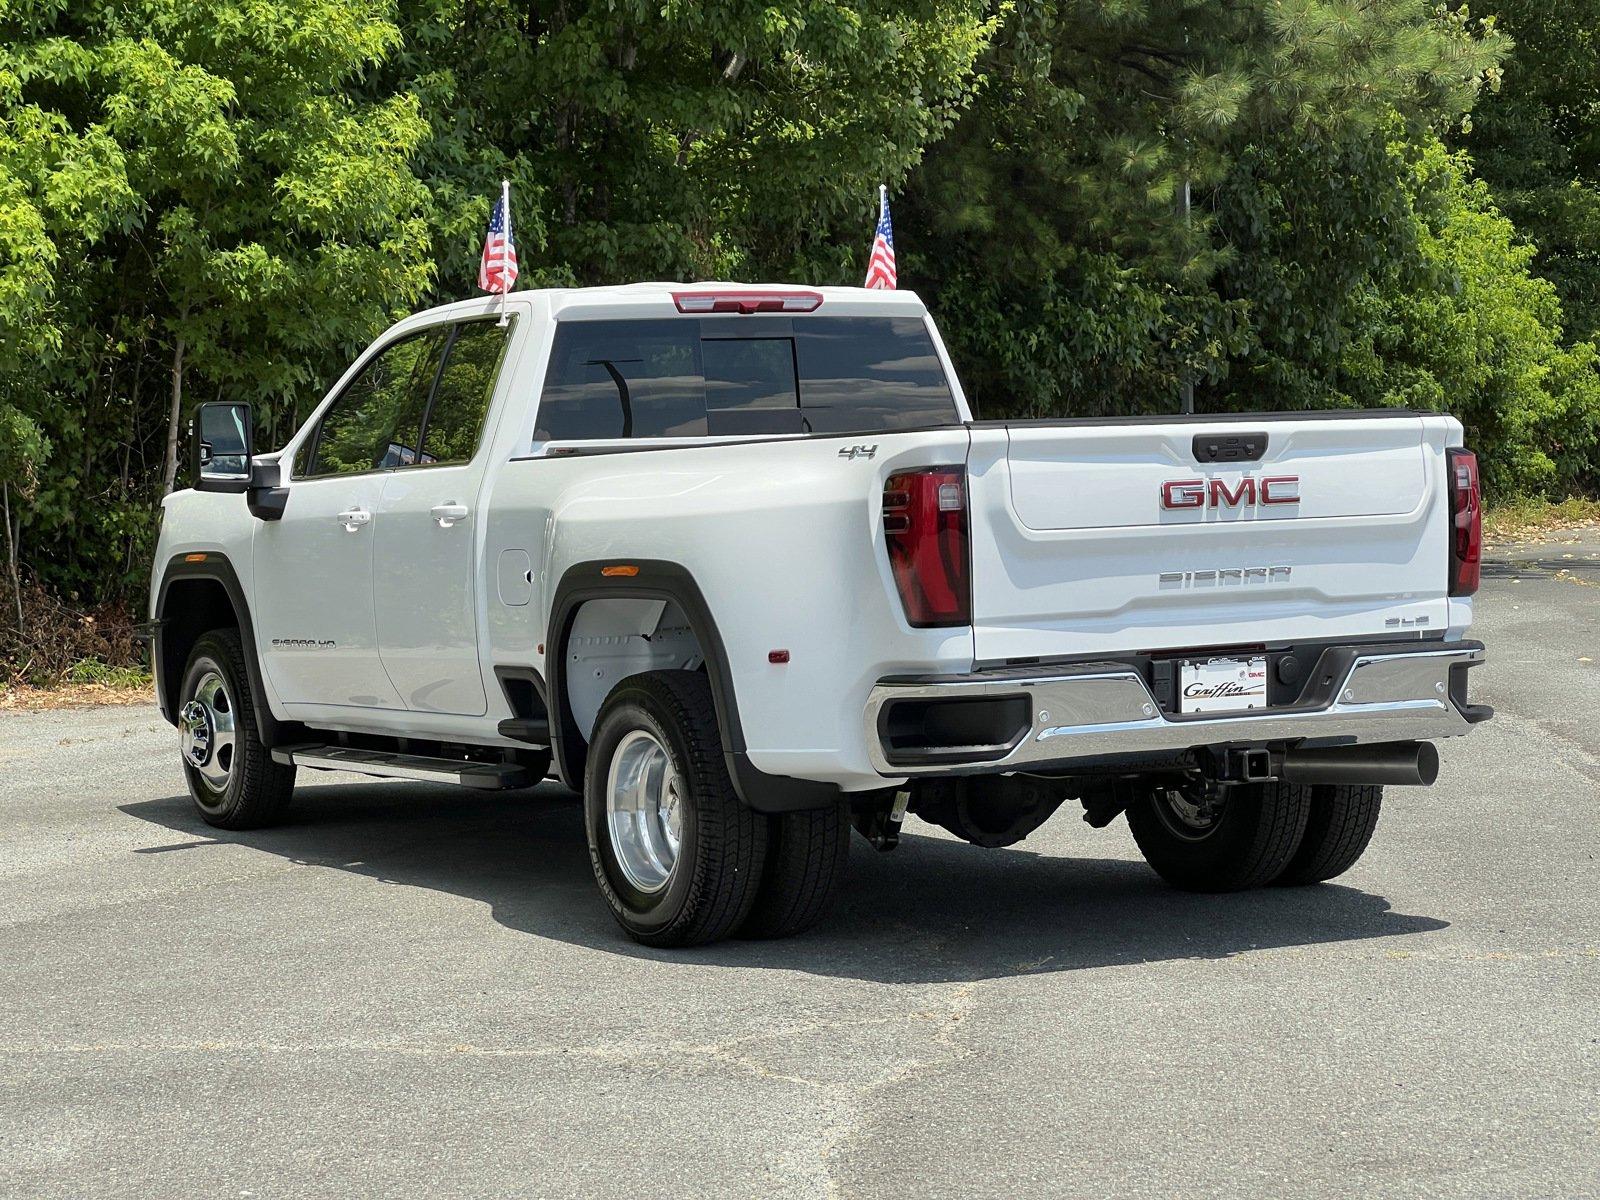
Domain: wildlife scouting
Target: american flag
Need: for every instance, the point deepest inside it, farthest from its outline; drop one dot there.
(497, 270)
(880, 267)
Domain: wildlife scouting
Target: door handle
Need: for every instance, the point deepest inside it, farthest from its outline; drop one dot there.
(354, 518)
(448, 514)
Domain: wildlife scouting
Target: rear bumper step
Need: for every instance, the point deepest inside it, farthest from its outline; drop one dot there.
(1104, 711)
(387, 765)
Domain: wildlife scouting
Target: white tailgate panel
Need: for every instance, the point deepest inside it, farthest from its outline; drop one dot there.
(1074, 552)
(1110, 478)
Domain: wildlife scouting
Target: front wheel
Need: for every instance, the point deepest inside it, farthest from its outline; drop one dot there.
(1205, 840)
(676, 853)
(232, 776)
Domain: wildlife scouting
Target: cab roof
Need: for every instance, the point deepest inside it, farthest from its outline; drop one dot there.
(661, 299)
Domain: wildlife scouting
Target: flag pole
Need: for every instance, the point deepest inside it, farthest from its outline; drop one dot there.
(505, 253)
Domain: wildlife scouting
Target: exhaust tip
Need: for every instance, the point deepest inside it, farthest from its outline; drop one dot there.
(1427, 763)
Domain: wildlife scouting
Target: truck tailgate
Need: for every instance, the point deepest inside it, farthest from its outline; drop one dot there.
(1101, 537)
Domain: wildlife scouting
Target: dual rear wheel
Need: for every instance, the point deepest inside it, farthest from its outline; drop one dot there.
(1253, 835)
(679, 858)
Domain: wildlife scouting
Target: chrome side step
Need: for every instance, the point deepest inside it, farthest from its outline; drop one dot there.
(388, 765)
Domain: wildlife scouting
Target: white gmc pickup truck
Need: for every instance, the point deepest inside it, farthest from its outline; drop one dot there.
(738, 564)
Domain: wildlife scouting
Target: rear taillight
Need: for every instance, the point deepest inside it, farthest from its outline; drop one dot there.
(925, 526)
(1466, 522)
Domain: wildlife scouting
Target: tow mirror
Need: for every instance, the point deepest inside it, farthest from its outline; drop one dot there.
(222, 447)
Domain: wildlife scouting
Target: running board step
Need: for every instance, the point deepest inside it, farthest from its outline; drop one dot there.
(533, 730)
(388, 765)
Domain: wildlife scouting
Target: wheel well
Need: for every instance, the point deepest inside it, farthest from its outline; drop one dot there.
(190, 607)
(613, 638)
(668, 591)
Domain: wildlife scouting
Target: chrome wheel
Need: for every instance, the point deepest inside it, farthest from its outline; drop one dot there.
(644, 810)
(206, 734)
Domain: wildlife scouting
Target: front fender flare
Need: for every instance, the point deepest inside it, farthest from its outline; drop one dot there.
(216, 568)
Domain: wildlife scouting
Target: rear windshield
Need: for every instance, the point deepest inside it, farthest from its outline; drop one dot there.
(741, 376)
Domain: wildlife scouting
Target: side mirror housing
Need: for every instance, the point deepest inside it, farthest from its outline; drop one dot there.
(223, 446)
(224, 459)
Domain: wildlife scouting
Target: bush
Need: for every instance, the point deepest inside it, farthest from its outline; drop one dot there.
(60, 642)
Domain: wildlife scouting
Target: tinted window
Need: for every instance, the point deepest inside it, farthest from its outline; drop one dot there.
(377, 421)
(750, 386)
(862, 374)
(685, 376)
(461, 399)
(615, 379)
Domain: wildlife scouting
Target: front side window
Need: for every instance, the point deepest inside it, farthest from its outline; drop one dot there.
(421, 401)
(461, 397)
(741, 376)
(376, 423)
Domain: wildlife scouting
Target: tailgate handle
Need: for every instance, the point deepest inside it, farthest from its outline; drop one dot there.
(1229, 447)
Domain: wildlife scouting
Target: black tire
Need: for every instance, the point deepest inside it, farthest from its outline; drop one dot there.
(238, 785)
(1337, 832)
(722, 843)
(806, 857)
(1246, 846)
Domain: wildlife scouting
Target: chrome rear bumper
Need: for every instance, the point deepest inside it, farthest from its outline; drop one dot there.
(1103, 711)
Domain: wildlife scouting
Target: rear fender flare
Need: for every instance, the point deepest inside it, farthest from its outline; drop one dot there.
(660, 580)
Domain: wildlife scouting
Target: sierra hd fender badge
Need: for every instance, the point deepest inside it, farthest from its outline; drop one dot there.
(302, 643)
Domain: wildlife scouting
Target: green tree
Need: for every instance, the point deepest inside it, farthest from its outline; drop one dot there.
(679, 139)
(1383, 275)
(193, 204)
(1537, 143)
(1058, 250)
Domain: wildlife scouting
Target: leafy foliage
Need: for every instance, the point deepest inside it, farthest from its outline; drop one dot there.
(1384, 276)
(1537, 144)
(193, 204)
(684, 139)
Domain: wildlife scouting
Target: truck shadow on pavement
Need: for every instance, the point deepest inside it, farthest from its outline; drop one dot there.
(933, 911)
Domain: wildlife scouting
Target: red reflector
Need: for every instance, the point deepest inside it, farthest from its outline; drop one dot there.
(1466, 522)
(925, 527)
(777, 656)
(747, 302)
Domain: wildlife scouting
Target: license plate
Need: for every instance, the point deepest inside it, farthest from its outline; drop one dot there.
(1222, 684)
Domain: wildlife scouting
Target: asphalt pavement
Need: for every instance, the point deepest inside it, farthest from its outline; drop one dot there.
(414, 990)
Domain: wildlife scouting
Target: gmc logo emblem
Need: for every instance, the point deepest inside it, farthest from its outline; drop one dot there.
(1215, 493)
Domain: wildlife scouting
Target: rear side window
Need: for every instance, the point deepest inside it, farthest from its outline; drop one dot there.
(741, 375)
